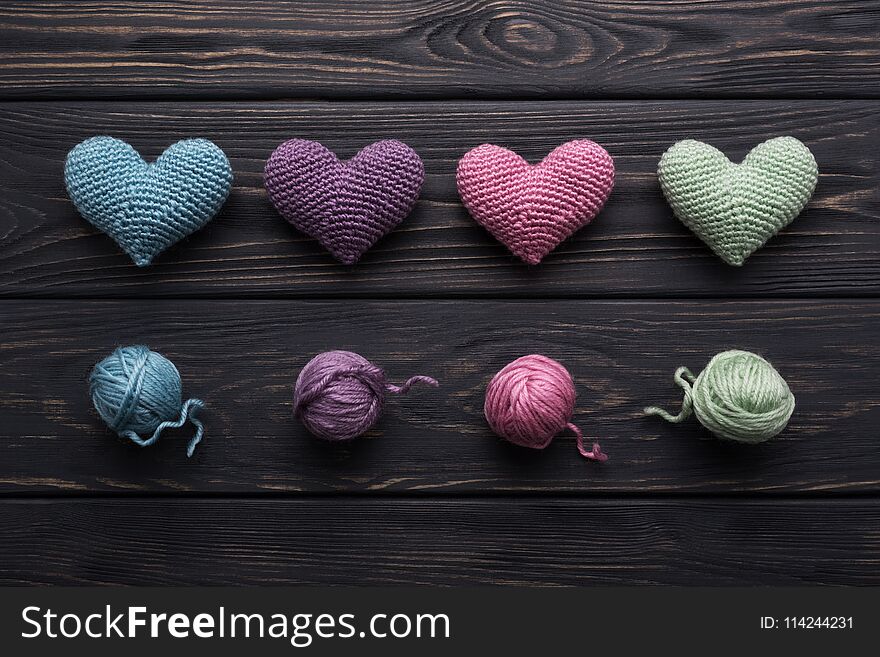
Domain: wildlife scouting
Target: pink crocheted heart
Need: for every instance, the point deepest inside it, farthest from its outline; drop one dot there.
(346, 206)
(532, 208)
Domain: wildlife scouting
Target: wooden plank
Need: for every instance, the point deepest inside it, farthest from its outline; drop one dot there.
(242, 358)
(439, 542)
(636, 248)
(440, 48)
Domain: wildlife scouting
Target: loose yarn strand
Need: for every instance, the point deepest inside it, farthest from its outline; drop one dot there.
(596, 454)
(685, 379)
(187, 412)
(409, 383)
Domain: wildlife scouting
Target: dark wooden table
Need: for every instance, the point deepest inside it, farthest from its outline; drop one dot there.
(431, 496)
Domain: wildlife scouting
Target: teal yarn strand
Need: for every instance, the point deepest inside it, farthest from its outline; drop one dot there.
(138, 392)
(739, 396)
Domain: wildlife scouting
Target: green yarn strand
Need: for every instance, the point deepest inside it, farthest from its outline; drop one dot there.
(739, 396)
(685, 379)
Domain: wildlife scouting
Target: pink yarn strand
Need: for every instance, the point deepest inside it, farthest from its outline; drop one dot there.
(596, 454)
(409, 383)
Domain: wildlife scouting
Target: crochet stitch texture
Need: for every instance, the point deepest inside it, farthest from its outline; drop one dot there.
(532, 208)
(736, 208)
(144, 207)
(346, 206)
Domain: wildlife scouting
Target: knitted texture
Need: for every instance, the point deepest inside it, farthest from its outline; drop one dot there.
(531, 400)
(346, 206)
(137, 391)
(736, 208)
(340, 394)
(532, 208)
(144, 207)
(739, 396)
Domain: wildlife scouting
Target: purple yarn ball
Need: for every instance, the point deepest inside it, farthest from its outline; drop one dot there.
(339, 394)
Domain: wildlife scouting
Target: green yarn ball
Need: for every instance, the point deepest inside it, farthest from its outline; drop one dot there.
(739, 396)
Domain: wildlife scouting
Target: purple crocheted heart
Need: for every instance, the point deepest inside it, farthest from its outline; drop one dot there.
(346, 206)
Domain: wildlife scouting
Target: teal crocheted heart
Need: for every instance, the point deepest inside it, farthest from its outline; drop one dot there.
(147, 207)
(736, 208)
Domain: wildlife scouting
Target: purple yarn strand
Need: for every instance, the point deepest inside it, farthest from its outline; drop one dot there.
(409, 383)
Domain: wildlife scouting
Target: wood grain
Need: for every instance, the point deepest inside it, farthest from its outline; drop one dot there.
(636, 248)
(242, 358)
(440, 48)
(430, 496)
(439, 542)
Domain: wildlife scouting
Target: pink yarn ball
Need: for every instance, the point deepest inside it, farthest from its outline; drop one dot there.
(531, 400)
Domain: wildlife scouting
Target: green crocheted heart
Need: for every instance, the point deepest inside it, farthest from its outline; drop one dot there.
(736, 208)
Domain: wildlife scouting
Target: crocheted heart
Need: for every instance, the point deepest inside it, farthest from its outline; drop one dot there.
(736, 208)
(532, 208)
(346, 206)
(144, 207)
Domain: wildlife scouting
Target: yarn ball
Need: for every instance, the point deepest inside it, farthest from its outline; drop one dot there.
(346, 206)
(138, 393)
(532, 208)
(531, 400)
(736, 208)
(739, 396)
(339, 395)
(144, 207)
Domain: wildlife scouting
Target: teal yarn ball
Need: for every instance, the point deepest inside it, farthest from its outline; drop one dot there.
(739, 396)
(138, 393)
